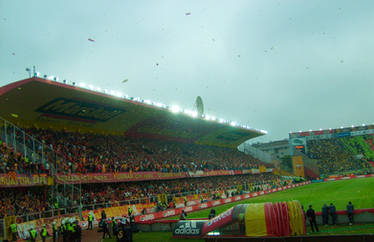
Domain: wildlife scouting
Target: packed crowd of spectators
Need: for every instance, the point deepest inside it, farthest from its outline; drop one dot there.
(148, 190)
(334, 156)
(92, 153)
(17, 163)
(21, 201)
(40, 199)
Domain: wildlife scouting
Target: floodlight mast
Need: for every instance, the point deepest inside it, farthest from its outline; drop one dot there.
(199, 106)
(28, 71)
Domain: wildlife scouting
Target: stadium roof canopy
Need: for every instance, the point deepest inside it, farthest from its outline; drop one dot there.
(50, 104)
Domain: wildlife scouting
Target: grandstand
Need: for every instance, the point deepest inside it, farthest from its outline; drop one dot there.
(61, 143)
(336, 151)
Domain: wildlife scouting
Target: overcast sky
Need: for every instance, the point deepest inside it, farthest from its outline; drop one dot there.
(282, 66)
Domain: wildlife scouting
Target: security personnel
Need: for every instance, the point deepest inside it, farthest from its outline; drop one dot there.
(64, 230)
(109, 221)
(54, 231)
(33, 234)
(185, 201)
(125, 232)
(90, 219)
(129, 211)
(78, 232)
(105, 229)
(13, 229)
(70, 231)
(114, 227)
(44, 233)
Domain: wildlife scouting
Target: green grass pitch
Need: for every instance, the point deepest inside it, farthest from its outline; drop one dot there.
(358, 191)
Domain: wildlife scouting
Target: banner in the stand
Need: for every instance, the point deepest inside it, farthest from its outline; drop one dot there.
(15, 180)
(212, 173)
(116, 177)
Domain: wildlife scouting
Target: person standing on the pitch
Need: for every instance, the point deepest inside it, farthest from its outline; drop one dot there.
(325, 215)
(103, 215)
(44, 233)
(90, 219)
(105, 229)
(13, 229)
(54, 231)
(332, 210)
(78, 232)
(350, 211)
(312, 218)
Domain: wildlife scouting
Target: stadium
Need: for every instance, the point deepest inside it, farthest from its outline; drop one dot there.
(75, 156)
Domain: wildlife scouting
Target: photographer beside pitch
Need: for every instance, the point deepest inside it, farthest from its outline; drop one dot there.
(350, 212)
(312, 218)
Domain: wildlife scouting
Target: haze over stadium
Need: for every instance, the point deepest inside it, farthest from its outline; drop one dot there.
(251, 61)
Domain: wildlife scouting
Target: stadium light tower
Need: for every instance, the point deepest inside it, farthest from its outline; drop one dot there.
(29, 71)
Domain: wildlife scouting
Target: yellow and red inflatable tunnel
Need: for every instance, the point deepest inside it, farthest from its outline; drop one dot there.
(274, 219)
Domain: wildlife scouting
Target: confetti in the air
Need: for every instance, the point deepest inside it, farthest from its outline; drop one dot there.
(92, 40)
(188, 14)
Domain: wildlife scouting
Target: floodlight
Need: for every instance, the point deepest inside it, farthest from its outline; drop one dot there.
(158, 104)
(175, 109)
(82, 84)
(233, 123)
